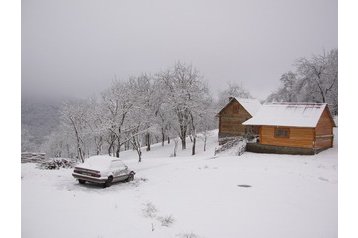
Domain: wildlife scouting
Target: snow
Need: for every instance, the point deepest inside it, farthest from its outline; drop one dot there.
(98, 162)
(298, 115)
(290, 196)
(250, 105)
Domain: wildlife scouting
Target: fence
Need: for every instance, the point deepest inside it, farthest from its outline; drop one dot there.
(27, 157)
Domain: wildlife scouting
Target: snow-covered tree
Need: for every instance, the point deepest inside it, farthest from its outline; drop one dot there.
(175, 103)
(320, 73)
(319, 76)
(288, 91)
(314, 80)
(117, 102)
(232, 90)
(97, 124)
(141, 115)
(27, 143)
(74, 116)
(184, 93)
(60, 143)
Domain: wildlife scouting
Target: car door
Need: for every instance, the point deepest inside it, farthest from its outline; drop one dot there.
(119, 170)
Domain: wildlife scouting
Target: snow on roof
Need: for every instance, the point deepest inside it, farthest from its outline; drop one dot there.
(250, 105)
(288, 114)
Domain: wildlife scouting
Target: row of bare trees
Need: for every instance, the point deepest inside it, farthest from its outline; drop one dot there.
(175, 103)
(315, 79)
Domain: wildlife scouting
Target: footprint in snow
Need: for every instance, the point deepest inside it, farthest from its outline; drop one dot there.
(323, 179)
(244, 186)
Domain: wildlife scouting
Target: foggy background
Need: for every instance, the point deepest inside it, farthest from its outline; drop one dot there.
(76, 48)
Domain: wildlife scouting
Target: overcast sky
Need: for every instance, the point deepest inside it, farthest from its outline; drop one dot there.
(76, 48)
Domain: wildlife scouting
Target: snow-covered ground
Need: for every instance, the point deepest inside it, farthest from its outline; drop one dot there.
(198, 196)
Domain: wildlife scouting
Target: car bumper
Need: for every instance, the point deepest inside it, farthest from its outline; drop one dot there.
(89, 178)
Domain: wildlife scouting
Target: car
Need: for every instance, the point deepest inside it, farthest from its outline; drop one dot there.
(103, 170)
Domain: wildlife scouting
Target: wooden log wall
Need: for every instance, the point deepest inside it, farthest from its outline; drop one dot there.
(298, 137)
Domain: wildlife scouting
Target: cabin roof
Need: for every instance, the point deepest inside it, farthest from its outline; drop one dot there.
(288, 114)
(250, 105)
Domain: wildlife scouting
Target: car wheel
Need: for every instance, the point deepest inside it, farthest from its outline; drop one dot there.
(81, 181)
(108, 182)
(130, 177)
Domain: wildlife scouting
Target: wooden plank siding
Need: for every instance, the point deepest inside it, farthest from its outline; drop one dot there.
(324, 131)
(298, 137)
(231, 119)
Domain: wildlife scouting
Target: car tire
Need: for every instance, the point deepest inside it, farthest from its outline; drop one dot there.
(81, 181)
(108, 182)
(130, 177)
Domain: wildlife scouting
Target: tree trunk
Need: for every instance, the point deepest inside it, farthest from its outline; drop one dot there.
(139, 155)
(183, 143)
(68, 150)
(175, 147)
(80, 155)
(205, 139)
(193, 148)
(163, 137)
(110, 148)
(119, 143)
(79, 150)
(168, 140)
(148, 141)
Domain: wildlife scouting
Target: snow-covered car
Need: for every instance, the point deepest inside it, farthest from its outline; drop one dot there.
(103, 170)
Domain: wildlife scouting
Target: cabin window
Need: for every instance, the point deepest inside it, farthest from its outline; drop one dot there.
(282, 132)
(235, 108)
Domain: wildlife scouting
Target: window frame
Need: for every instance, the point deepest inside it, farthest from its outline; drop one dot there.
(282, 135)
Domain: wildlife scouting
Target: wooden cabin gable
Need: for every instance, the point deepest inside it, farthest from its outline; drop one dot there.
(231, 118)
(324, 130)
(325, 123)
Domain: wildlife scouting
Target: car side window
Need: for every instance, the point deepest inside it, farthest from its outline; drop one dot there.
(118, 165)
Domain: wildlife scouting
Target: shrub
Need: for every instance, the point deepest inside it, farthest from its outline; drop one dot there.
(188, 235)
(56, 163)
(150, 210)
(166, 221)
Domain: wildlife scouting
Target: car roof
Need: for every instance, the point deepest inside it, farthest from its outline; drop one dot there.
(99, 162)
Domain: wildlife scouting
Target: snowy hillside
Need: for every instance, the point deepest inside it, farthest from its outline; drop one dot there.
(254, 195)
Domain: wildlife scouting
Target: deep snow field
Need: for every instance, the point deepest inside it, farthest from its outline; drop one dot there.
(290, 196)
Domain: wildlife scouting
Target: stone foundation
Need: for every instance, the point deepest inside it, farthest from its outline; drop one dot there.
(272, 149)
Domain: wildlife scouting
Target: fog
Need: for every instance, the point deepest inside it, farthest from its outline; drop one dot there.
(76, 48)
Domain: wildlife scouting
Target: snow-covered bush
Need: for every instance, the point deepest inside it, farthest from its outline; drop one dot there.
(166, 221)
(149, 210)
(188, 235)
(56, 163)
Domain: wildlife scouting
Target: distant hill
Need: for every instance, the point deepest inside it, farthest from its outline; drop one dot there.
(38, 118)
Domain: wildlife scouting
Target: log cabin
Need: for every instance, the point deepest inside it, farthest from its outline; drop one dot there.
(233, 114)
(292, 128)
